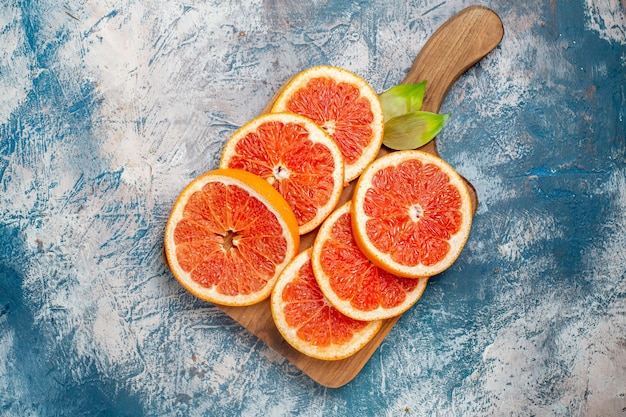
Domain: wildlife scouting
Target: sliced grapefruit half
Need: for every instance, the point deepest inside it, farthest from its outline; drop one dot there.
(351, 283)
(411, 213)
(342, 103)
(229, 235)
(294, 155)
(308, 322)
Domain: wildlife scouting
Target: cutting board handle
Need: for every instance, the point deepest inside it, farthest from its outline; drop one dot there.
(456, 46)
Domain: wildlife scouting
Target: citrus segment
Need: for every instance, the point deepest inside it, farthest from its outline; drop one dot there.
(353, 284)
(229, 236)
(342, 103)
(308, 322)
(297, 157)
(411, 213)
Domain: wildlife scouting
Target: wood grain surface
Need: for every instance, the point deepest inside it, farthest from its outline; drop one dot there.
(456, 46)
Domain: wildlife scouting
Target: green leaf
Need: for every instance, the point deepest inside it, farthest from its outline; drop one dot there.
(413, 130)
(402, 99)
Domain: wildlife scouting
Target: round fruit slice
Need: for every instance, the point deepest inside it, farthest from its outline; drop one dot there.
(294, 155)
(308, 322)
(229, 236)
(411, 213)
(345, 105)
(350, 282)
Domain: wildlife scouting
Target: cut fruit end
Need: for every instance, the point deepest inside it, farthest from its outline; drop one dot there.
(345, 105)
(352, 283)
(411, 213)
(297, 157)
(308, 322)
(229, 236)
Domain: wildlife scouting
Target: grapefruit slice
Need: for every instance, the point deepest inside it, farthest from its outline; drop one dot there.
(229, 236)
(345, 105)
(411, 213)
(297, 157)
(308, 322)
(353, 284)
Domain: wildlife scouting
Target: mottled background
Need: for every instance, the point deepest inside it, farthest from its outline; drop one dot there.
(108, 108)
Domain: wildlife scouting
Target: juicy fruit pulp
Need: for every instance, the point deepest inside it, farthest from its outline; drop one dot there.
(229, 236)
(344, 105)
(294, 155)
(411, 213)
(308, 322)
(354, 285)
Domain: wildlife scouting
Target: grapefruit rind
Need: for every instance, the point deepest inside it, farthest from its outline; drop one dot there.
(360, 218)
(344, 305)
(317, 135)
(257, 188)
(300, 80)
(332, 352)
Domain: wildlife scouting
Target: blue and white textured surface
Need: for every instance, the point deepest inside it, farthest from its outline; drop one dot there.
(108, 108)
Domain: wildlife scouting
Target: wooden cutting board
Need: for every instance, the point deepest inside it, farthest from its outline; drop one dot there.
(456, 46)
